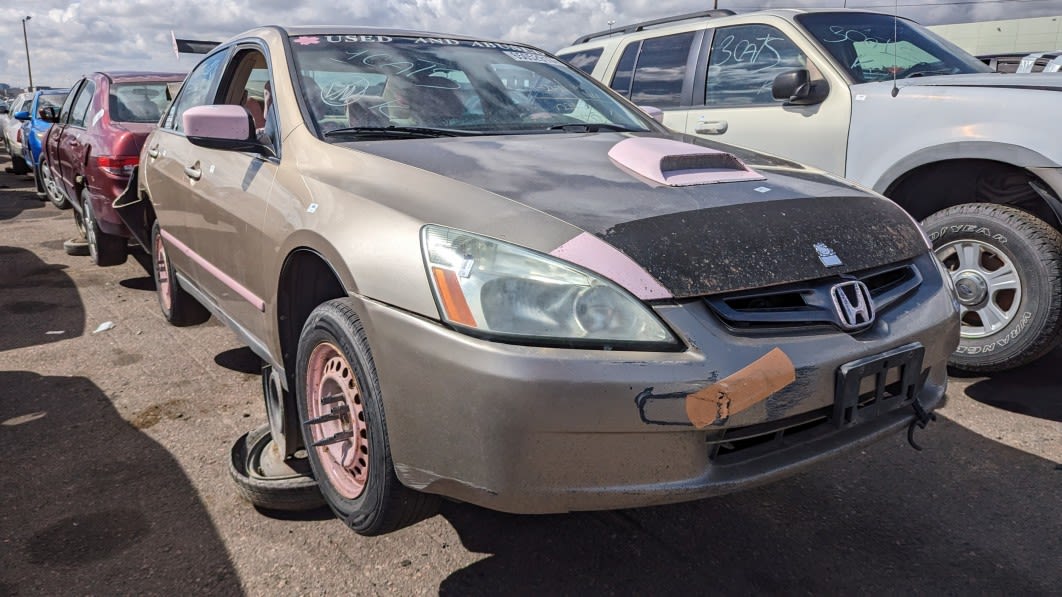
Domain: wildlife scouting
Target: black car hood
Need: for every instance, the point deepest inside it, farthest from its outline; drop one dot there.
(695, 240)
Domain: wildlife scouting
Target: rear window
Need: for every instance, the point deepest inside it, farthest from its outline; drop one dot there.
(652, 73)
(138, 102)
(584, 61)
(52, 100)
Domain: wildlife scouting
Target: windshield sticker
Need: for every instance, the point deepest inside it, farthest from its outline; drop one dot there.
(436, 40)
(529, 57)
(337, 39)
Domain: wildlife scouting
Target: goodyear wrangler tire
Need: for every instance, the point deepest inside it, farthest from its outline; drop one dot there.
(340, 404)
(1007, 268)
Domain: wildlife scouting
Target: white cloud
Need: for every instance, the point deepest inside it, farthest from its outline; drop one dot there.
(68, 39)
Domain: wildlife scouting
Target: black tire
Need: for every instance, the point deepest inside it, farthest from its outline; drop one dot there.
(268, 480)
(1022, 323)
(39, 183)
(178, 307)
(51, 190)
(333, 342)
(105, 249)
(76, 246)
(18, 165)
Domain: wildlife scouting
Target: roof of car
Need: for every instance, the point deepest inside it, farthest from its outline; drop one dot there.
(126, 76)
(694, 23)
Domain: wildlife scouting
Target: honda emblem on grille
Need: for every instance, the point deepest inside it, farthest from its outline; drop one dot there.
(855, 308)
(827, 256)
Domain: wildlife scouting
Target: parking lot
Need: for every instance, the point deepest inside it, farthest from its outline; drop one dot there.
(114, 448)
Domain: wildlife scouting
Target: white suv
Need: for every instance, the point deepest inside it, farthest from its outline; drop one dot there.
(888, 104)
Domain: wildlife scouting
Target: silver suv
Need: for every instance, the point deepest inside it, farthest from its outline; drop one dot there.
(888, 104)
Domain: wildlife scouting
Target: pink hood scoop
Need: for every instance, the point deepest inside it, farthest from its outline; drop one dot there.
(678, 164)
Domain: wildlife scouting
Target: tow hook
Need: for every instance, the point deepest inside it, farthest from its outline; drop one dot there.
(922, 418)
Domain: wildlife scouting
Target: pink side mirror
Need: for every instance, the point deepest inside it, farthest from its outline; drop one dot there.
(218, 122)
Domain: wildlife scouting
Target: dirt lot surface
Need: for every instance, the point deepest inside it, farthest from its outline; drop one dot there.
(114, 448)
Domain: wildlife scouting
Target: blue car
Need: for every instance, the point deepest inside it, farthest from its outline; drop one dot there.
(34, 127)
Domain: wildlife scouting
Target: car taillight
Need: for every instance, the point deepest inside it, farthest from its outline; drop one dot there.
(117, 165)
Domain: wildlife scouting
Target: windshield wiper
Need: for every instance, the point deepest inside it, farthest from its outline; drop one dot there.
(402, 132)
(590, 127)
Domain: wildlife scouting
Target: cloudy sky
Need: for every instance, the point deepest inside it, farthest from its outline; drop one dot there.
(67, 39)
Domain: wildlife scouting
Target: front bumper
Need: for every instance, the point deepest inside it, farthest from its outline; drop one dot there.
(538, 430)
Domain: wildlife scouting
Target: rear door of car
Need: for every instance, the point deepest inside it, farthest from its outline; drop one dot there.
(53, 142)
(165, 156)
(215, 199)
(733, 101)
(72, 148)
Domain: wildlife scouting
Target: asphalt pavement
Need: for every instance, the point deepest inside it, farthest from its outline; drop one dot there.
(114, 481)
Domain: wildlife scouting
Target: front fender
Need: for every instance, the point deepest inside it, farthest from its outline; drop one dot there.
(1006, 153)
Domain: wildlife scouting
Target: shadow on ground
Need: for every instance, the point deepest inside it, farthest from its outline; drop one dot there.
(93, 506)
(23, 275)
(1031, 390)
(925, 523)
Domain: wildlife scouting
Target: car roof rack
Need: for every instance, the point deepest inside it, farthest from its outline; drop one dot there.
(722, 12)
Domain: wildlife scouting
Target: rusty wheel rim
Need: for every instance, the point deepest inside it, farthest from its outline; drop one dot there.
(162, 276)
(337, 420)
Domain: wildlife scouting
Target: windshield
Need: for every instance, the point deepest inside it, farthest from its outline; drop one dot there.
(358, 82)
(865, 45)
(51, 100)
(138, 102)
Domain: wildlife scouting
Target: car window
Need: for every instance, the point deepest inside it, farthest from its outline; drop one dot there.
(652, 73)
(137, 102)
(64, 113)
(195, 90)
(621, 79)
(878, 47)
(247, 83)
(661, 70)
(51, 100)
(585, 60)
(743, 63)
(79, 111)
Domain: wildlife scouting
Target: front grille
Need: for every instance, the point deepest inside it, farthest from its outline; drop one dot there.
(809, 304)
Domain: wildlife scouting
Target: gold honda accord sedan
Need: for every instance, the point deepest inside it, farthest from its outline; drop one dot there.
(474, 272)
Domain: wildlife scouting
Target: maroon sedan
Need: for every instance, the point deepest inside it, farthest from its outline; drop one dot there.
(93, 147)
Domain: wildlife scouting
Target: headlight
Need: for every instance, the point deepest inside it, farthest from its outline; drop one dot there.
(486, 287)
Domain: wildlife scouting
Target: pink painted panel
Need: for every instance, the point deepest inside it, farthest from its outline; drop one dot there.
(596, 255)
(220, 122)
(213, 270)
(677, 164)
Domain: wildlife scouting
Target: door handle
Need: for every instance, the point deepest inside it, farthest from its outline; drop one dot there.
(153, 152)
(193, 172)
(711, 127)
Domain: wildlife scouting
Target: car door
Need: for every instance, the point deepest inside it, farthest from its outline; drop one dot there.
(53, 141)
(163, 159)
(72, 150)
(735, 104)
(230, 191)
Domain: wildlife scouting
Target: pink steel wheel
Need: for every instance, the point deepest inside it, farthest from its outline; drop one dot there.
(337, 420)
